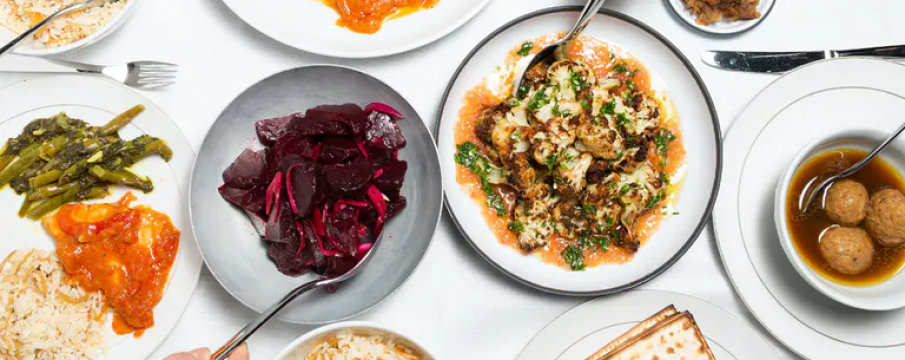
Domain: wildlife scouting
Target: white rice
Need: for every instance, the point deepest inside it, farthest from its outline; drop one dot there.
(349, 346)
(42, 317)
(20, 15)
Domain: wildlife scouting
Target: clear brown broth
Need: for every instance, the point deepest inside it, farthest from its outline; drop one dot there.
(806, 229)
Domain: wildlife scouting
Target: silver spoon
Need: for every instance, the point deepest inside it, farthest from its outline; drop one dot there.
(813, 194)
(246, 332)
(560, 48)
(65, 11)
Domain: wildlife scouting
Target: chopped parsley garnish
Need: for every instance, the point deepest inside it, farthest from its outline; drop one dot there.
(609, 108)
(662, 139)
(585, 105)
(588, 208)
(539, 100)
(573, 256)
(556, 111)
(632, 138)
(590, 242)
(566, 112)
(663, 177)
(622, 119)
(551, 161)
(526, 48)
(514, 103)
(615, 235)
(624, 190)
(515, 135)
(577, 81)
(469, 156)
(630, 84)
(654, 200)
(620, 68)
(609, 222)
(627, 95)
(517, 227)
(675, 213)
(522, 90)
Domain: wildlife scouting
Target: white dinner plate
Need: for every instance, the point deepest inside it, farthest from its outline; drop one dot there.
(724, 27)
(588, 327)
(700, 129)
(97, 100)
(311, 26)
(832, 95)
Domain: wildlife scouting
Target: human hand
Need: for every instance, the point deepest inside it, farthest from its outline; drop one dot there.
(241, 353)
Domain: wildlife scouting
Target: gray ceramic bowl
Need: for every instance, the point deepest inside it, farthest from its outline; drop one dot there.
(237, 256)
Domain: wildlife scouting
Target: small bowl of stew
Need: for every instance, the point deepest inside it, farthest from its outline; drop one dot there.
(850, 245)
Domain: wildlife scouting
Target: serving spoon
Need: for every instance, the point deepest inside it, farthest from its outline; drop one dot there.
(246, 332)
(559, 49)
(65, 11)
(814, 192)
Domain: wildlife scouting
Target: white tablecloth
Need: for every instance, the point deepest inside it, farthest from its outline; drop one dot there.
(456, 303)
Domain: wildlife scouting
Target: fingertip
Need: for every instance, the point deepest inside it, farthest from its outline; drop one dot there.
(201, 353)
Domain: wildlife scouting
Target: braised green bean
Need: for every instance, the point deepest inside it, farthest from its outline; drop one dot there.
(122, 177)
(122, 120)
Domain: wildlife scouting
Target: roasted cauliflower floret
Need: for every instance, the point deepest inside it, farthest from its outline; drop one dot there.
(570, 220)
(600, 140)
(639, 192)
(569, 77)
(552, 138)
(522, 175)
(602, 215)
(488, 120)
(602, 191)
(535, 221)
(570, 173)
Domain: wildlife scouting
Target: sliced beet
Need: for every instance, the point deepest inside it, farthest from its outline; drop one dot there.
(249, 199)
(257, 221)
(342, 229)
(318, 260)
(281, 223)
(395, 207)
(273, 192)
(251, 169)
(384, 108)
(350, 114)
(284, 255)
(390, 180)
(384, 129)
(292, 143)
(319, 126)
(335, 150)
(338, 265)
(305, 186)
(269, 130)
(348, 179)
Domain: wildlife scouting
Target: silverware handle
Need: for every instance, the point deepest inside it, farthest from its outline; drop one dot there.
(16, 41)
(591, 9)
(851, 170)
(240, 337)
(897, 51)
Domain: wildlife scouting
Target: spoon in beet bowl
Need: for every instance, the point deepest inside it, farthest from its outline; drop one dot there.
(342, 267)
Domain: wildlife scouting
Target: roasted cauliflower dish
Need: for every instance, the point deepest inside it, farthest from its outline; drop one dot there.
(584, 157)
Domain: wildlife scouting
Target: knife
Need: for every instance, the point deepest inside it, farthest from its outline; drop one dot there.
(779, 62)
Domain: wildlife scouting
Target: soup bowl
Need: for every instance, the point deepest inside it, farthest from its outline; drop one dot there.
(888, 294)
(304, 344)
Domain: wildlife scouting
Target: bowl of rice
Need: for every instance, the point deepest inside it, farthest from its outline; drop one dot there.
(65, 34)
(354, 340)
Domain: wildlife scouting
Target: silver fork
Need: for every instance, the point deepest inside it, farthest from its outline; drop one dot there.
(138, 74)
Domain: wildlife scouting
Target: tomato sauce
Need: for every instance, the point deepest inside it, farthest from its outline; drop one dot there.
(368, 16)
(125, 252)
(597, 55)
